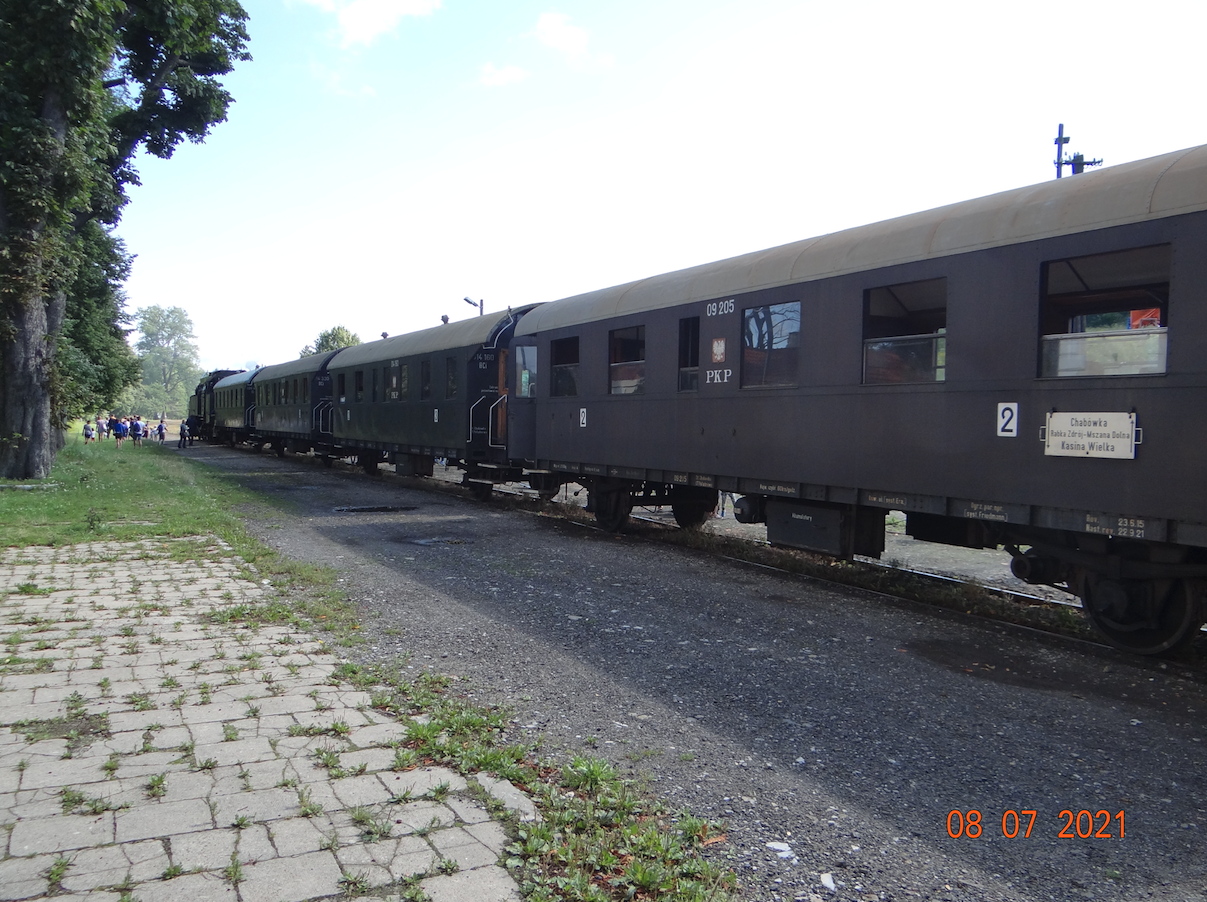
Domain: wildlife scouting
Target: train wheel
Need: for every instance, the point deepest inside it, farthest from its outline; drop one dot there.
(612, 509)
(368, 463)
(281, 450)
(692, 508)
(328, 460)
(1144, 617)
(481, 491)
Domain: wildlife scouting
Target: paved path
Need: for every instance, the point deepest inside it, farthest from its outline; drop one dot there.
(148, 754)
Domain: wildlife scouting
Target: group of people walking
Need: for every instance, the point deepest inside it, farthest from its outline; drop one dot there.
(133, 428)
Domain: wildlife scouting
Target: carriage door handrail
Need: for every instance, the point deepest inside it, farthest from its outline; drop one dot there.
(493, 420)
(322, 417)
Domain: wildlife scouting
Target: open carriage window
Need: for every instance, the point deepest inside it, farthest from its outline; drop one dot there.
(904, 332)
(1105, 314)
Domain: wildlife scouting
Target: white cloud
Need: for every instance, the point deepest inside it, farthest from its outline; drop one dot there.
(494, 77)
(334, 84)
(554, 30)
(363, 21)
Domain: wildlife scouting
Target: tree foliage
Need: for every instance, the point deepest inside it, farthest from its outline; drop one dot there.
(169, 361)
(83, 85)
(331, 340)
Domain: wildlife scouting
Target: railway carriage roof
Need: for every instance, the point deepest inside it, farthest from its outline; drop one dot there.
(1167, 185)
(473, 332)
(303, 366)
(241, 378)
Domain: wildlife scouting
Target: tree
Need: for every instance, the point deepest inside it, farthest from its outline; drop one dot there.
(170, 364)
(331, 340)
(84, 84)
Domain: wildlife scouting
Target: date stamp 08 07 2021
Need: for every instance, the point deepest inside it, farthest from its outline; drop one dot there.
(1083, 824)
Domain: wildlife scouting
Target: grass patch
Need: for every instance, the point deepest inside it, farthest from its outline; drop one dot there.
(97, 492)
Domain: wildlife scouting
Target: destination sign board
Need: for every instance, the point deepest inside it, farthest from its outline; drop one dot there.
(1111, 435)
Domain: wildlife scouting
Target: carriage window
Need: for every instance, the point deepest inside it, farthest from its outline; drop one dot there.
(626, 359)
(403, 385)
(1105, 314)
(904, 330)
(425, 379)
(563, 367)
(450, 377)
(373, 396)
(305, 391)
(341, 385)
(525, 371)
(771, 344)
(359, 378)
(689, 354)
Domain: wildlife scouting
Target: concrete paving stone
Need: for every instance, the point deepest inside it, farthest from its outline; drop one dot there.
(187, 888)
(273, 726)
(423, 780)
(296, 835)
(362, 790)
(373, 875)
(482, 885)
(24, 878)
(37, 803)
(138, 721)
(119, 744)
(411, 856)
(255, 845)
(284, 704)
(490, 833)
(188, 784)
(194, 714)
(13, 697)
(468, 857)
(261, 805)
(10, 779)
(62, 833)
(374, 759)
(512, 798)
(381, 734)
(206, 849)
(308, 876)
(163, 819)
(242, 751)
(171, 738)
(468, 811)
(150, 763)
(111, 865)
(69, 772)
(416, 815)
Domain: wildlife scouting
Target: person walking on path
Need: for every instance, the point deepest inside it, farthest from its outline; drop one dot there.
(89, 434)
(102, 427)
(184, 434)
(161, 431)
(136, 430)
(119, 432)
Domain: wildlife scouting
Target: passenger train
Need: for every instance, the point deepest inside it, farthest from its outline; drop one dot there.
(1023, 370)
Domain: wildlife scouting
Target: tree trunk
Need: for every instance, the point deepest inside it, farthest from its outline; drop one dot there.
(26, 358)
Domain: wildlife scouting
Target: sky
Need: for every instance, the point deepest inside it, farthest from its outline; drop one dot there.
(385, 159)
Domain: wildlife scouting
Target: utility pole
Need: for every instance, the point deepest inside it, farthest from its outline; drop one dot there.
(1077, 162)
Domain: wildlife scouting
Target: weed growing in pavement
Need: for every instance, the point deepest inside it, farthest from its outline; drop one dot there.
(372, 829)
(229, 732)
(310, 808)
(157, 786)
(354, 884)
(55, 873)
(233, 872)
(171, 871)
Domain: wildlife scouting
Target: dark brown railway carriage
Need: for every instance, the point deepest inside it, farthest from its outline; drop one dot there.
(235, 408)
(1024, 369)
(293, 405)
(201, 404)
(438, 393)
